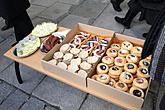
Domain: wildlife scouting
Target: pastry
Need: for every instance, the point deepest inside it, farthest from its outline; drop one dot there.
(116, 46)
(123, 53)
(120, 61)
(75, 51)
(82, 73)
(115, 77)
(53, 62)
(65, 48)
(136, 92)
(116, 71)
(94, 76)
(112, 82)
(83, 55)
(102, 68)
(85, 66)
(76, 61)
(108, 60)
(132, 58)
(136, 51)
(44, 29)
(144, 63)
(130, 67)
(67, 58)
(121, 86)
(111, 52)
(149, 58)
(58, 56)
(140, 83)
(73, 68)
(143, 72)
(103, 78)
(99, 51)
(49, 43)
(62, 65)
(126, 45)
(92, 59)
(126, 77)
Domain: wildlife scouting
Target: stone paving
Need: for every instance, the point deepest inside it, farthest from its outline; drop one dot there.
(39, 92)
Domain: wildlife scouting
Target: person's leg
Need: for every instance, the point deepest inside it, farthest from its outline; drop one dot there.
(162, 103)
(22, 26)
(116, 4)
(7, 26)
(126, 21)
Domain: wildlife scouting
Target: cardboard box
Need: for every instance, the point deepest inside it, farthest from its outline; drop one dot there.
(114, 95)
(74, 78)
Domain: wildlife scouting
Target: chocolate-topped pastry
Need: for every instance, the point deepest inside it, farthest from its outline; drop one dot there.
(126, 77)
(121, 86)
(132, 58)
(136, 91)
(102, 68)
(144, 63)
(130, 67)
(143, 72)
(115, 70)
(140, 83)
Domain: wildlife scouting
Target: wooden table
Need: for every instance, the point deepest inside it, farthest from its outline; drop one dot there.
(34, 62)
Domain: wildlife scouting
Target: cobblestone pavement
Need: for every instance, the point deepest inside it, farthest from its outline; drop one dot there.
(39, 92)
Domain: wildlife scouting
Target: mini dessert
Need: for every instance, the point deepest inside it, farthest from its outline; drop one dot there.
(115, 77)
(121, 86)
(73, 68)
(102, 68)
(144, 63)
(49, 43)
(103, 78)
(120, 61)
(53, 62)
(143, 72)
(123, 53)
(75, 51)
(111, 52)
(130, 67)
(116, 46)
(82, 73)
(83, 55)
(140, 83)
(112, 82)
(149, 58)
(132, 58)
(85, 66)
(98, 52)
(136, 51)
(126, 45)
(62, 65)
(76, 61)
(116, 71)
(65, 48)
(94, 76)
(108, 60)
(58, 56)
(92, 59)
(136, 92)
(67, 58)
(126, 77)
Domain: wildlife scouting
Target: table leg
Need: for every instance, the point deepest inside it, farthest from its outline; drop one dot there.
(17, 71)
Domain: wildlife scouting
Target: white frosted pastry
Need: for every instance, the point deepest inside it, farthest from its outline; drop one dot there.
(76, 61)
(92, 59)
(62, 65)
(83, 54)
(75, 51)
(85, 66)
(67, 58)
(82, 73)
(58, 55)
(65, 48)
(53, 62)
(73, 68)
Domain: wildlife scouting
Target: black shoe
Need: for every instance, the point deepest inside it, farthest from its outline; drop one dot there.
(6, 26)
(123, 22)
(116, 5)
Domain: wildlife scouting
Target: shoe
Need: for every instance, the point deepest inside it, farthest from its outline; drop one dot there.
(116, 4)
(123, 22)
(6, 26)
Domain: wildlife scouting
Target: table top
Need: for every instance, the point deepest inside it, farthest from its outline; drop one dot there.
(34, 62)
